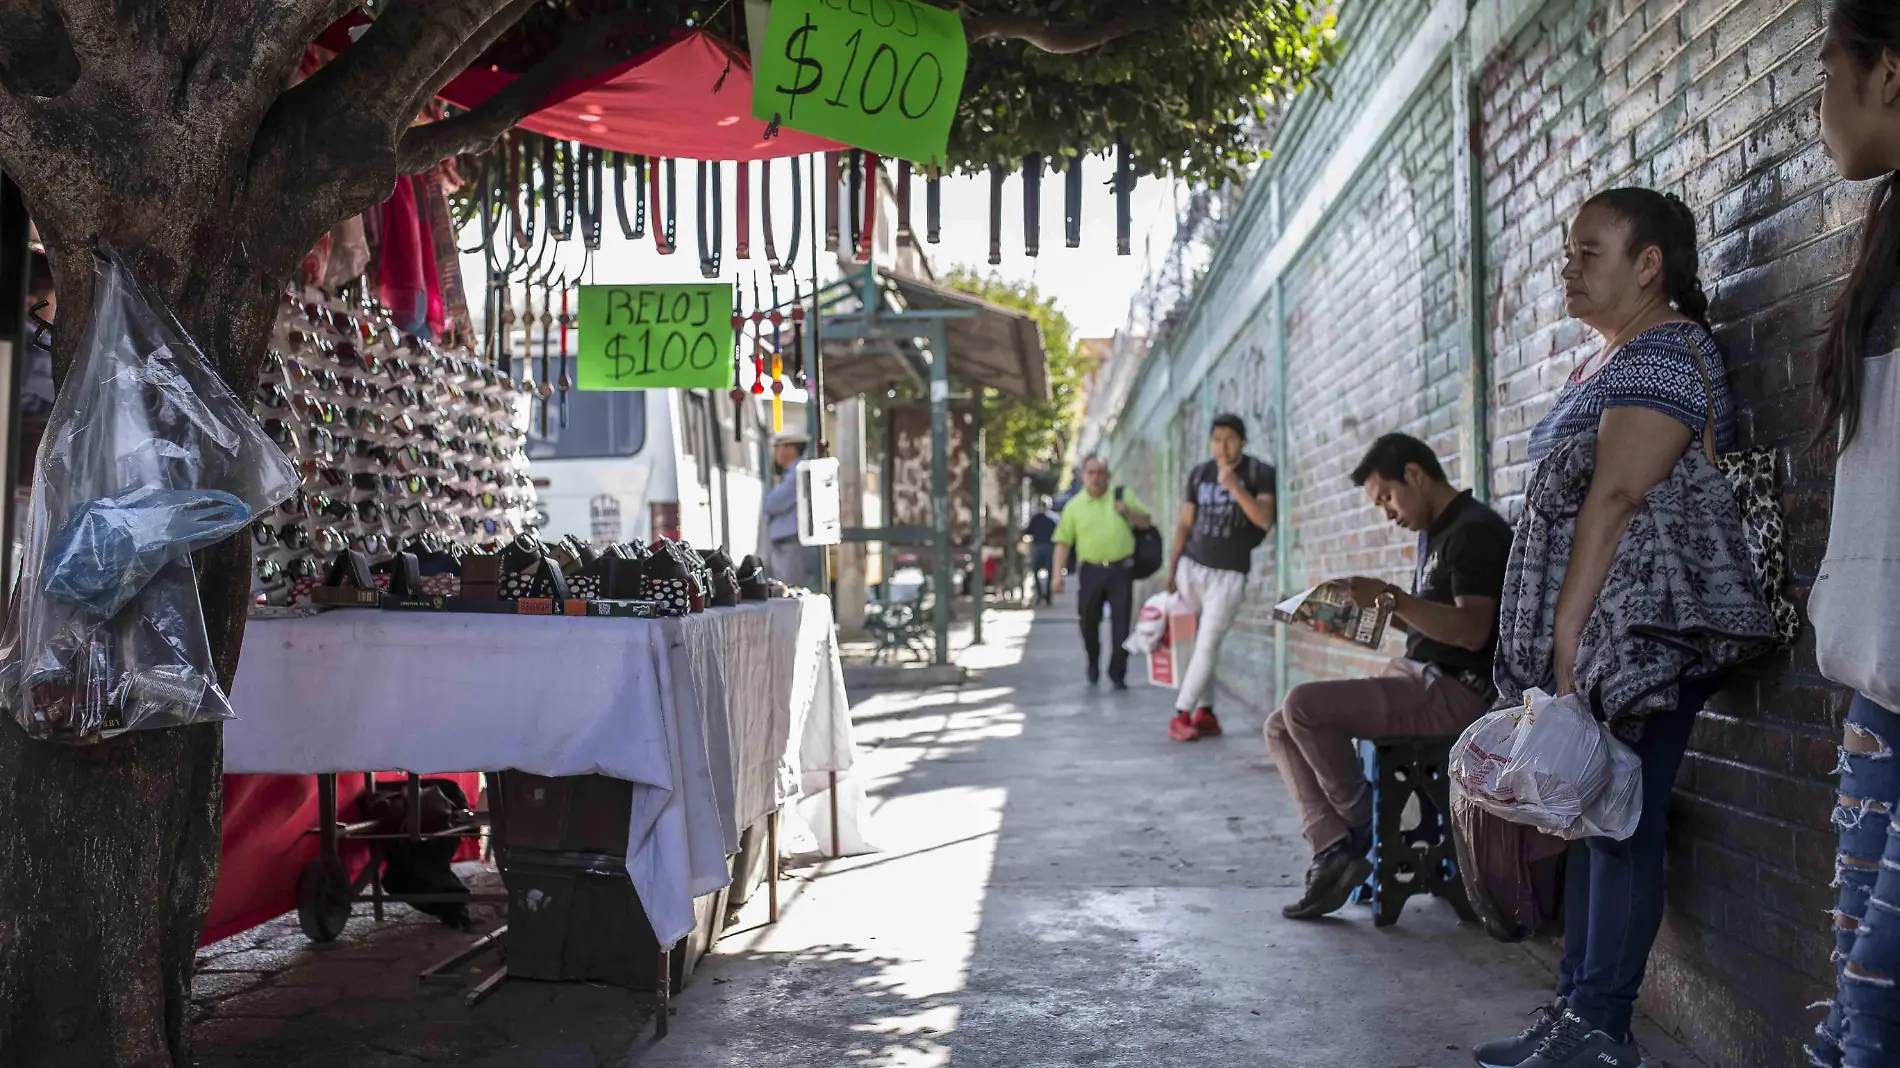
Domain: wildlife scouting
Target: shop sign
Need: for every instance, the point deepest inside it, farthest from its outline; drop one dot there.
(881, 75)
(656, 337)
(603, 515)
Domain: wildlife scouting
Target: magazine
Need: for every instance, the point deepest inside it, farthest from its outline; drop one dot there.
(1328, 609)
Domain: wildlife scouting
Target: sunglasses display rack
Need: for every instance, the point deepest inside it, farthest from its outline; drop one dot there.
(402, 446)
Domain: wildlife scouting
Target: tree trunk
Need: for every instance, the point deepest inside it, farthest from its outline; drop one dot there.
(109, 852)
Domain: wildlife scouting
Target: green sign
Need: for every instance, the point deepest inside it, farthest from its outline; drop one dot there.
(881, 75)
(655, 337)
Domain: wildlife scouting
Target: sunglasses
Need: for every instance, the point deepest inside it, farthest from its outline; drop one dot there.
(366, 420)
(272, 395)
(330, 541)
(349, 354)
(326, 505)
(269, 572)
(301, 567)
(318, 410)
(274, 362)
(362, 389)
(290, 535)
(367, 482)
(327, 445)
(370, 452)
(373, 544)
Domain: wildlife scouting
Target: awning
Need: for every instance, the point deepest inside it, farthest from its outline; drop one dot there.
(989, 345)
(690, 98)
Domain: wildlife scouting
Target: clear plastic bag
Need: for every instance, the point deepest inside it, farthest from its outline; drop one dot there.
(1551, 765)
(147, 457)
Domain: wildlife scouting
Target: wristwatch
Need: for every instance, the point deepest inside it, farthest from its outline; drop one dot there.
(1389, 600)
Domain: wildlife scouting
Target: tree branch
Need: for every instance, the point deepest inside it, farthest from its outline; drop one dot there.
(377, 77)
(478, 42)
(586, 49)
(37, 58)
(1061, 40)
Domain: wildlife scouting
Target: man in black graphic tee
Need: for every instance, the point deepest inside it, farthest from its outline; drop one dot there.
(1225, 516)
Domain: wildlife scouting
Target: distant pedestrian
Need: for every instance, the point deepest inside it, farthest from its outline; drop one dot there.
(1227, 513)
(1099, 527)
(791, 562)
(1041, 532)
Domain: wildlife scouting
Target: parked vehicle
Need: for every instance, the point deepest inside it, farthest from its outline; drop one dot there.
(638, 464)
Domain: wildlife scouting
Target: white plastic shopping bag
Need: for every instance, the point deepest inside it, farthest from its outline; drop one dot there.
(1151, 625)
(1551, 765)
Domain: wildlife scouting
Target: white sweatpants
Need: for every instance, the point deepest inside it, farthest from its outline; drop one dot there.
(1216, 597)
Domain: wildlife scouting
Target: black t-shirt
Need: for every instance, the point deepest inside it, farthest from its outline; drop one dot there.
(1224, 538)
(1463, 555)
(1041, 528)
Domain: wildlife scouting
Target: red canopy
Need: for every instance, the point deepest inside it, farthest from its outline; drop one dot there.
(690, 98)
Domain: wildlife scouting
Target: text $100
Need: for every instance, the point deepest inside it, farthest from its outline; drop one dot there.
(878, 74)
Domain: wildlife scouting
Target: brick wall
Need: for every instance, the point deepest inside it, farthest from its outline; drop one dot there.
(1713, 101)
(1374, 345)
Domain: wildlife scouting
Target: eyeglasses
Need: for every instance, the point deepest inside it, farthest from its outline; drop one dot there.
(290, 535)
(369, 511)
(269, 572)
(274, 362)
(331, 541)
(371, 483)
(324, 504)
(350, 355)
(272, 395)
(301, 567)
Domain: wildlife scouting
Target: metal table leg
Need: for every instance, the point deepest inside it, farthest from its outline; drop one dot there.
(771, 863)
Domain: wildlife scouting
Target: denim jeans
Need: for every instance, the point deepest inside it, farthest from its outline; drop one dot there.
(1613, 893)
(1864, 1018)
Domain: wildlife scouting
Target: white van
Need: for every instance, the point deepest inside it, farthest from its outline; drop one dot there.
(637, 464)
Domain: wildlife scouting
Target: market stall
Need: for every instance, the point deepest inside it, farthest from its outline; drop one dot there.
(560, 696)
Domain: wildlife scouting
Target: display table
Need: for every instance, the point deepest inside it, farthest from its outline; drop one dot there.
(698, 713)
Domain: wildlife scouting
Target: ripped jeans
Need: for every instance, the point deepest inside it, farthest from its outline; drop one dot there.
(1864, 1018)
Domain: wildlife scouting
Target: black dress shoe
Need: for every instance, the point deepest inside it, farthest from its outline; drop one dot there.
(1121, 684)
(1095, 674)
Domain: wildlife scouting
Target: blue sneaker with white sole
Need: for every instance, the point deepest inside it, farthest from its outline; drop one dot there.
(1513, 1051)
(1573, 1043)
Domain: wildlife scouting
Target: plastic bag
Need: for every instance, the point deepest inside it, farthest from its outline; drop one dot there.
(146, 458)
(1551, 765)
(1151, 625)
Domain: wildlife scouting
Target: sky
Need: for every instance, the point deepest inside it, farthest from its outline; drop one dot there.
(1091, 284)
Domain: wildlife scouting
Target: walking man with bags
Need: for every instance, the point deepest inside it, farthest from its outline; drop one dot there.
(1099, 528)
(1227, 513)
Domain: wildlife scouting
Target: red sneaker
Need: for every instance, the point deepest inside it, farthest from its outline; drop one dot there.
(1181, 728)
(1204, 721)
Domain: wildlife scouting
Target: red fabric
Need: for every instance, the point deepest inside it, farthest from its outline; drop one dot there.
(402, 278)
(267, 842)
(690, 98)
(425, 236)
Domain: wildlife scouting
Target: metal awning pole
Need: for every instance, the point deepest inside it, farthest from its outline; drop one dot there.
(940, 480)
(976, 517)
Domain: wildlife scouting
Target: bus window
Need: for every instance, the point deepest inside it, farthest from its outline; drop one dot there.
(600, 425)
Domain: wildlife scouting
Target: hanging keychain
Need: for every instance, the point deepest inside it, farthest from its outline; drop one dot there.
(567, 377)
(546, 387)
(798, 337)
(778, 365)
(758, 341)
(738, 391)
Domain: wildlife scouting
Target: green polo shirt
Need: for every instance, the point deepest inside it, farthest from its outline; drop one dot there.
(1096, 531)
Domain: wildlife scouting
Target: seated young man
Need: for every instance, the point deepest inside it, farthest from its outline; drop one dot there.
(1440, 685)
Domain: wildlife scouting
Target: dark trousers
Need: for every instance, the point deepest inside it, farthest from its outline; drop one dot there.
(1113, 586)
(1613, 894)
(1042, 563)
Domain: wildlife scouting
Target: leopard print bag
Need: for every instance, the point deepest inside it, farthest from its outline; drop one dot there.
(1755, 476)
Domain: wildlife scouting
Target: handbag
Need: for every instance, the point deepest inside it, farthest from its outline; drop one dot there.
(1148, 547)
(1755, 476)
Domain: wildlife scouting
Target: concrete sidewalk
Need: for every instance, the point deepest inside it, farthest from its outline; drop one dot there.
(1064, 886)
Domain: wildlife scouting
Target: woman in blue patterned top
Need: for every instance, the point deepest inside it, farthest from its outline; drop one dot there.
(1629, 275)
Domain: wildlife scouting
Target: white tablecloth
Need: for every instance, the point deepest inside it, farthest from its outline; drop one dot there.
(697, 712)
